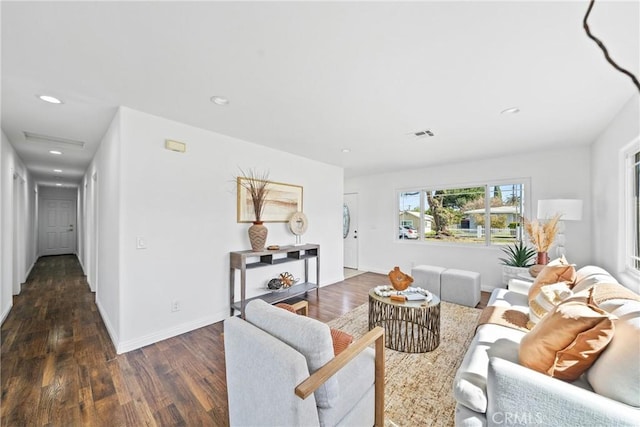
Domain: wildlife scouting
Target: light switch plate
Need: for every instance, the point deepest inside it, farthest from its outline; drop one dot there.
(172, 145)
(141, 243)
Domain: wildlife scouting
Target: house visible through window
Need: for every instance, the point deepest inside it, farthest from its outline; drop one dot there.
(485, 214)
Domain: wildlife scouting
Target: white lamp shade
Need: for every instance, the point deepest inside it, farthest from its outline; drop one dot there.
(569, 209)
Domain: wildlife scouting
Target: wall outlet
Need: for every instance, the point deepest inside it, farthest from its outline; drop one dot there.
(141, 243)
(175, 306)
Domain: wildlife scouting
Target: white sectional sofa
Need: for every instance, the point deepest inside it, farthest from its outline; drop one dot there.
(493, 389)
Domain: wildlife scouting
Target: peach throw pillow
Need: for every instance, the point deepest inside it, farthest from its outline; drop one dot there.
(567, 341)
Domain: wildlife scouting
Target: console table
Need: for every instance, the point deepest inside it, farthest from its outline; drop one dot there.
(247, 260)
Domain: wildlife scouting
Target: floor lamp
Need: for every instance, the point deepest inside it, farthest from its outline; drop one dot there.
(568, 209)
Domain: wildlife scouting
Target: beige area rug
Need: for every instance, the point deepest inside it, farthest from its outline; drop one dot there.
(418, 387)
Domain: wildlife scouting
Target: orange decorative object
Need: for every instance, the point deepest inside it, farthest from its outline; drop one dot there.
(401, 298)
(286, 279)
(399, 280)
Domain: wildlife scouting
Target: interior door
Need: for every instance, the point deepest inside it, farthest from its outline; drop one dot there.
(350, 230)
(58, 227)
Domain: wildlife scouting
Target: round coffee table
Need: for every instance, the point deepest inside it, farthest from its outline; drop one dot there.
(410, 326)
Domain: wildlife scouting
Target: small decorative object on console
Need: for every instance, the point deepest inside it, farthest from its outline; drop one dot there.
(273, 247)
(287, 279)
(399, 280)
(274, 284)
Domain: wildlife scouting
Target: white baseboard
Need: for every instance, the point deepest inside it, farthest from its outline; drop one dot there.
(107, 323)
(26, 276)
(5, 313)
(373, 270)
(152, 338)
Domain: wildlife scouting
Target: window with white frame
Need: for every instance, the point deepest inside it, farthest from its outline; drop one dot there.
(632, 209)
(480, 214)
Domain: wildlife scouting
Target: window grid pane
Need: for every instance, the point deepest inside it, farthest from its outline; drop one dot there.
(461, 215)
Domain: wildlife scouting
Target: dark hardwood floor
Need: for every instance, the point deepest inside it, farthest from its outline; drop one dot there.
(59, 367)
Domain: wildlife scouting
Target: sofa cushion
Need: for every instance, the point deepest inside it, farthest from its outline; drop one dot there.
(558, 270)
(355, 380)
(308, 336)
(340, 339)
(590, 275)
(567, 341)
(501, 297)
(616, 373)
(470, 383)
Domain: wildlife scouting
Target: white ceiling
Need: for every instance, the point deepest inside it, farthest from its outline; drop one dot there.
(312, 78)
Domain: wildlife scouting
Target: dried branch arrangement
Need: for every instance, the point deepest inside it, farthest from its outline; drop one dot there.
(542, 235)
(256, 184)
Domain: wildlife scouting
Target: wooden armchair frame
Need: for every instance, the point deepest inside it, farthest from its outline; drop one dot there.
(308, 386)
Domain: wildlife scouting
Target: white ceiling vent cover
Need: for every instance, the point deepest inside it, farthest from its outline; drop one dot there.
(45, 139)
(423, 133)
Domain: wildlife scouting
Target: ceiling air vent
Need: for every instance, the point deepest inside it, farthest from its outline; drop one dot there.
(423, 133)
(45, 139)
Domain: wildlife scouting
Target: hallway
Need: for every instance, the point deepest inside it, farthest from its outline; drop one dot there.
(59, 367)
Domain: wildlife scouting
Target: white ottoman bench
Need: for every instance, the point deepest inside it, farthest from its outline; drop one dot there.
(427, 277)
(460, 287)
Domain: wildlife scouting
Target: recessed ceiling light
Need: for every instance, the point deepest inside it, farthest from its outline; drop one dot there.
(57, 170)
(512, 110)
(50, 99)
(346, 150)
(58, 185)
(219, 100)
(56, 152)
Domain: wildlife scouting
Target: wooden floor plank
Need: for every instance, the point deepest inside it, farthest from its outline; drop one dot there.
(59, 367)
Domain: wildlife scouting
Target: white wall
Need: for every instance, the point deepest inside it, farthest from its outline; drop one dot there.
(563, 173)
(17, 218)
(101, 256)
(184, 206)
(608, 179)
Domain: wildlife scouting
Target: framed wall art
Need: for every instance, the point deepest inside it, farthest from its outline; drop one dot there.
(282, 201)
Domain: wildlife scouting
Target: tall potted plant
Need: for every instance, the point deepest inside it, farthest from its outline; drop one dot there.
(256, 184)
(518, 260)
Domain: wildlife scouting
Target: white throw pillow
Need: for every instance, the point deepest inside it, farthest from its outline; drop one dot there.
(548, 297)
(616, 373)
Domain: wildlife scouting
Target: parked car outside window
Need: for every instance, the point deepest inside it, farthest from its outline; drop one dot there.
(407, 233)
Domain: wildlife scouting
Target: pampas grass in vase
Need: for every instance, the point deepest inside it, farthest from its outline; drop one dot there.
(542, 236)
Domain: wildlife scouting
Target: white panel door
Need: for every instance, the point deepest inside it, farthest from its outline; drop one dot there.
(350, 231)
(58, 227)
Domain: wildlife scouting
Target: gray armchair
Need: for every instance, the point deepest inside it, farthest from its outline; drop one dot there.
(281, 371)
